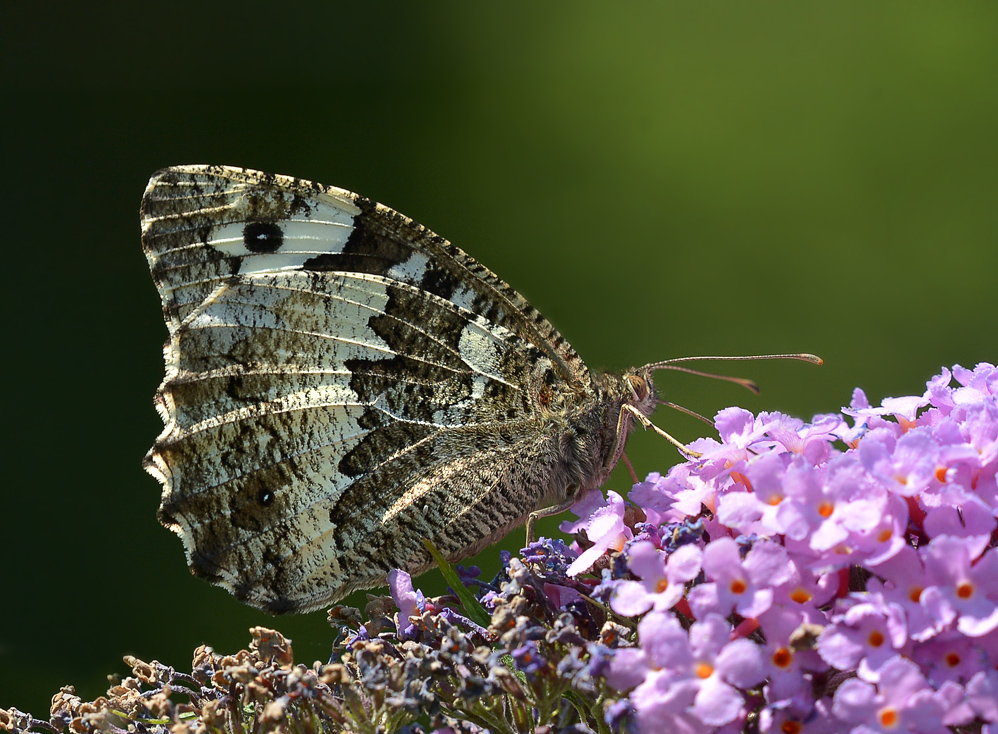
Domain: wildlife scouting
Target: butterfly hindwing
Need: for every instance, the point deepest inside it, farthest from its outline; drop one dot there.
(340, 383)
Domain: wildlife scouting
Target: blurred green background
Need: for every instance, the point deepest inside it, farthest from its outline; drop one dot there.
(660, 179)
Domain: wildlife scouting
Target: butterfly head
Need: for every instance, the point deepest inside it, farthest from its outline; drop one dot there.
(642, 389)
(627, 398)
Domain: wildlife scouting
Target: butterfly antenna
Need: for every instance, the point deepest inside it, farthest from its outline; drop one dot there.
(669, 364)
(747, 384)
(801, 357)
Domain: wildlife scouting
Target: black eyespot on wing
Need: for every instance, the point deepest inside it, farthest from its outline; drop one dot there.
(262, 237)
(265, 497)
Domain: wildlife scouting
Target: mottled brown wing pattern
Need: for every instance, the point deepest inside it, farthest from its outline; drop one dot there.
(202, 224)
(340, 383)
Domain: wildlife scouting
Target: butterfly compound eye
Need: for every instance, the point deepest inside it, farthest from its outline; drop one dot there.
(639, 385)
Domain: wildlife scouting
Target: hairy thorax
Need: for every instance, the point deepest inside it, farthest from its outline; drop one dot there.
(593, 427)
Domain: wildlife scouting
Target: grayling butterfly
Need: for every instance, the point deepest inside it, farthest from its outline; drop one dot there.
(342, 383)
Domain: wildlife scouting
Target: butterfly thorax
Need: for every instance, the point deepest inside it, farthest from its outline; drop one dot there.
(597, 429)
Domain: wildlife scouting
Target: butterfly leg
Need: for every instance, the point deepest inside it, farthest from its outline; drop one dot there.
(547, 512)
(643, 420)
(630, 468)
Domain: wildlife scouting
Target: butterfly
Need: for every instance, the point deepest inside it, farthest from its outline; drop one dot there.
(342, 383)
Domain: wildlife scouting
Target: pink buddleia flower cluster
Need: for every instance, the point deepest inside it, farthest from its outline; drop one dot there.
(833, 576)
(837, 576)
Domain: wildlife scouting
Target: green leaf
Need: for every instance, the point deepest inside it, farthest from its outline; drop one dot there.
(471, 605)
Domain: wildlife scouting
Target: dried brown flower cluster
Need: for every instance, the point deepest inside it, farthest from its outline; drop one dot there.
(255, 689)
(426, 668)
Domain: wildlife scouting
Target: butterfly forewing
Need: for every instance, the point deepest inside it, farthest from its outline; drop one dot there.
(340, 383)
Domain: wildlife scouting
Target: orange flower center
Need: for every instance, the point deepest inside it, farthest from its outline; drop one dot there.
(800, 595)
(782, 658)
(888, 717)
